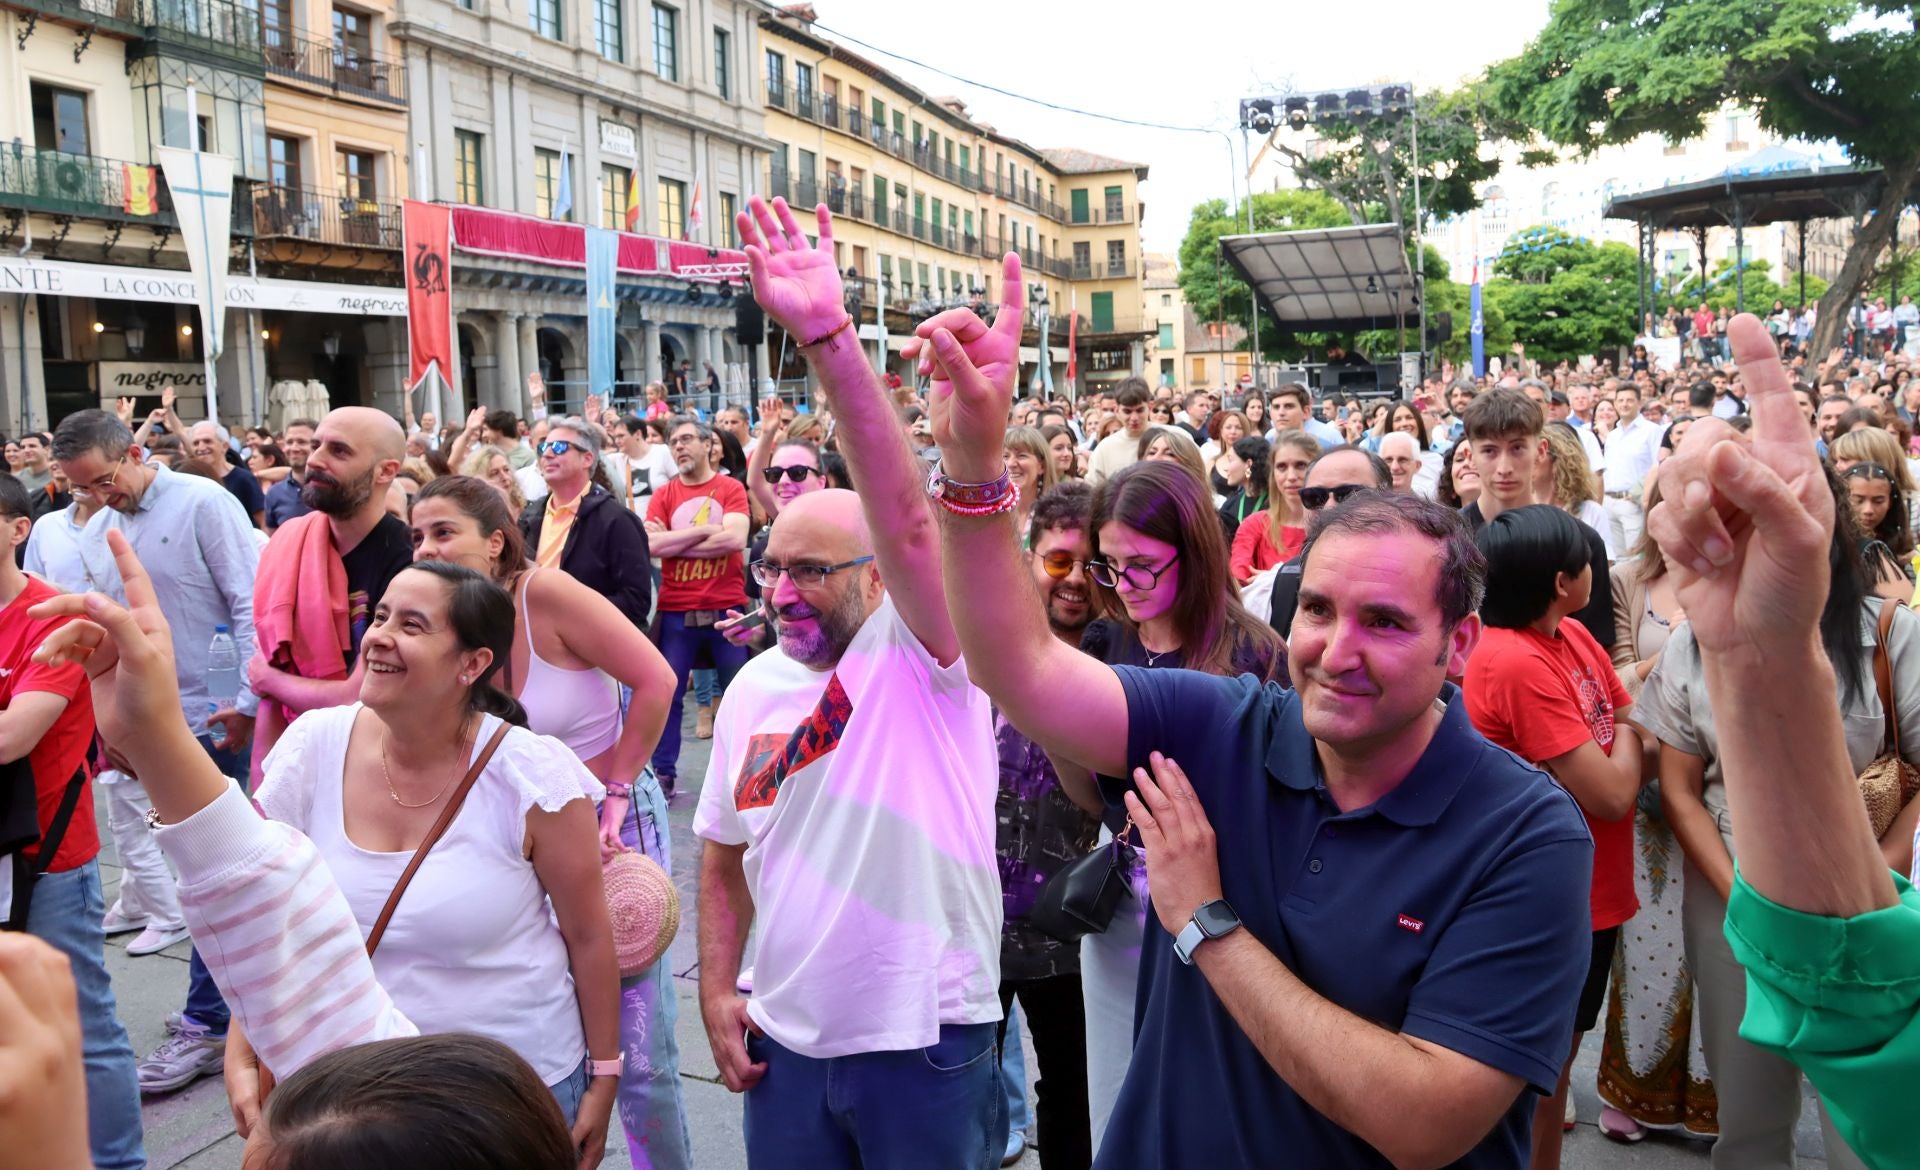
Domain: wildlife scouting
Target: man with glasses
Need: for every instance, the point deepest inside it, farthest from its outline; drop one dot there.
(697, 525)
(848, 812)
(199, 548)
(1331, 479)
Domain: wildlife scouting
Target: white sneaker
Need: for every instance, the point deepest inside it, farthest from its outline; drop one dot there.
(118, 921)
(156, 938)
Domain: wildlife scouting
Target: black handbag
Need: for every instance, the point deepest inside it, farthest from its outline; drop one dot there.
(1081, 897)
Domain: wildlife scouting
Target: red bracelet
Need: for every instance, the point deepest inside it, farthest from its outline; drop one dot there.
(1006, 503)
(828, 335)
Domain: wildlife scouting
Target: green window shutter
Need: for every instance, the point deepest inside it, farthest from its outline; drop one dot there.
(1080, 212)
(1103, 312)
(1166, 335)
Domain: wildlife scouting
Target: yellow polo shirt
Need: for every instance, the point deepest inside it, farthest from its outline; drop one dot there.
(559, 522)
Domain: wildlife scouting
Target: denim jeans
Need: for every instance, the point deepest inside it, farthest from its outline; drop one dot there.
(653, 1110)
(1013, 1076)
(705, 684)
(65, 913)
(568, 1091)
(681, 645)
(205, 1005)
(939, 1107)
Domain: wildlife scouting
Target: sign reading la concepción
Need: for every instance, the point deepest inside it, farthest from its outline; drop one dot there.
(61, 278)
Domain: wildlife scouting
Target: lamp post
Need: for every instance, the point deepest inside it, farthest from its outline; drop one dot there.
(854, 298)
(881, 287)
(1043, 373)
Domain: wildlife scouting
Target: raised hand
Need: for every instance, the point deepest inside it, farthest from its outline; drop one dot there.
(1745, 527)
(971, 369)
(476, 419)
(124, 408)
(796, 282)
(536, 388)
(592, 414)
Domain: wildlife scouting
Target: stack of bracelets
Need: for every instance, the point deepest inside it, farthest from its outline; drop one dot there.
(973, 499)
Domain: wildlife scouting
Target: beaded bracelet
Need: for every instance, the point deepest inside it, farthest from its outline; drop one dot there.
(1005, 503)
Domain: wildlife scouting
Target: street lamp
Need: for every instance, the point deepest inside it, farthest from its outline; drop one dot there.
(1043, 374)
(854, 298)
(136, 338)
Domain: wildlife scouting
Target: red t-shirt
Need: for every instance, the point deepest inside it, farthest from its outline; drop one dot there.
(1541, 697)
(62, 749)
(690, 583)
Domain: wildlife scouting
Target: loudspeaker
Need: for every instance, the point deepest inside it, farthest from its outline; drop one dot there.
(1439, 328)
(749, 323)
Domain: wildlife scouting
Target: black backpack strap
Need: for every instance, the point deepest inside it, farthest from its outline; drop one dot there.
(62, 816)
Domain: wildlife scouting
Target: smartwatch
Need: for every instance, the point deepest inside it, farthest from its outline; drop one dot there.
(607, 1068)
(1211, 920)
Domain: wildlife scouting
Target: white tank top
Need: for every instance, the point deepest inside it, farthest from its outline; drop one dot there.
(472, 946)
(580, 708)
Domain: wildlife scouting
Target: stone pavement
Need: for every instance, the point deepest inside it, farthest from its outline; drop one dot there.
(192, 1129)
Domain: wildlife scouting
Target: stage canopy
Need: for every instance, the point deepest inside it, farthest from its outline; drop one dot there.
(1328, 280)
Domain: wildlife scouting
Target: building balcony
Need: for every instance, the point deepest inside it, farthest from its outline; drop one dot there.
(346, 72)
(1109, 270)
(325, 217)
(80, 186)
(1112, 213)
(121, 17)
(217, 26)
(803, 103)
(776, 93)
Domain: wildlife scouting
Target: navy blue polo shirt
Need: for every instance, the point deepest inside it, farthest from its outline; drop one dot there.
(1454, 909)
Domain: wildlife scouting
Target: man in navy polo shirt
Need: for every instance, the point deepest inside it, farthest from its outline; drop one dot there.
(1381, 949)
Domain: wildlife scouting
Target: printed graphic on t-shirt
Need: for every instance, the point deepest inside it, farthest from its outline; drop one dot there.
(1595, 705)
(771, 758)
(691, 514)
(359, 613)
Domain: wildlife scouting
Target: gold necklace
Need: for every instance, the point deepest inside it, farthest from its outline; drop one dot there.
(459, 759)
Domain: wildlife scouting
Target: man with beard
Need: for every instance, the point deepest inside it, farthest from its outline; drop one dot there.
(201, 554)
(283, 498)
(207, 441)
(1042, 830)
(848, 808)
(697, 526)
(356, 453)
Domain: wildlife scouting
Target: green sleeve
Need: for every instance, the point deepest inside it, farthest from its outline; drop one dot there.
(1840, 998)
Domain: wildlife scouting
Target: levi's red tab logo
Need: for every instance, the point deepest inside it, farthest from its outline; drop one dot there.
(1408, 922)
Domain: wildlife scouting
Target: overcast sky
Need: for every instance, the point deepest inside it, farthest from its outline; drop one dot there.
(1150, 61)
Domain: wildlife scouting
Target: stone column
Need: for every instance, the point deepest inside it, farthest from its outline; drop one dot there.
(760, 367)
(1137, 357)
(21, 370)
(507, 376)
(650, 344)
(518, 400)
(699, 370)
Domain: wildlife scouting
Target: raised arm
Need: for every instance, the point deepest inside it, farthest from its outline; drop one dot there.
(996, 612)
(772, 434)
(798, 285)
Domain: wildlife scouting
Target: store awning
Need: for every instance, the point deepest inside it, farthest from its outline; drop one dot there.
(1328, 279)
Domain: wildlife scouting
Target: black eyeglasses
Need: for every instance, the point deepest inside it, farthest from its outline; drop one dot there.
(797, 474)
(767, 573)
(1141, 578)
(557, 446)
(1059, 564)
(1315, 498)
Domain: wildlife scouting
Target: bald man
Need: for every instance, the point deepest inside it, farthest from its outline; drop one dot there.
(208, 442)
(356, 453)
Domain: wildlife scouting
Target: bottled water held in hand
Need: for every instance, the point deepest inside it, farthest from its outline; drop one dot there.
(223, 669)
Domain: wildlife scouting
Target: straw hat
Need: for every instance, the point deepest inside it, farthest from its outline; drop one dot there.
(645, 909)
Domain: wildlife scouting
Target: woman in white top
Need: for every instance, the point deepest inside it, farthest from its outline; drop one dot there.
(503, 930)
(571, 652)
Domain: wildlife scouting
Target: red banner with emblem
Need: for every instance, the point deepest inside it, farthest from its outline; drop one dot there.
(427, 244)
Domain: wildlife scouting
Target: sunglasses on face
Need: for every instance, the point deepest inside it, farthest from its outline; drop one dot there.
(1315, 498)
(1059, 564)
(557, 446)
(796, 474)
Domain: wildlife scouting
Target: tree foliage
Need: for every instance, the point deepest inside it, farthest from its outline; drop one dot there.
(1723, 289)
(1608, 71)
(1565, 296)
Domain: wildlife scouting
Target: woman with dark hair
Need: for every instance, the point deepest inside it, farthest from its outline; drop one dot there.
(1064, 451)
(1886, 542)
(571, 653)
(1540, 686)
(1250, 496)
(1161, 569)
(733, 457)
(1759, 1092)
(1459, 482)
(503, 929)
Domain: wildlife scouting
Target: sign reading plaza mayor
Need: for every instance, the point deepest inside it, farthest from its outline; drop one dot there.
(61, 278)
(617, 139)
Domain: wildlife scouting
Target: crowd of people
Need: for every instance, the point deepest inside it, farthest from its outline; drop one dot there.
(1313, 772)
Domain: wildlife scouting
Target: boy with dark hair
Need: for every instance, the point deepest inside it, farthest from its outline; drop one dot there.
(1133, 399)
(1505, 431)
(53, 885)
(1541, 687)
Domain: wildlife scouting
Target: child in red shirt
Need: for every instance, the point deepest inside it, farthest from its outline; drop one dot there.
(1541, 687)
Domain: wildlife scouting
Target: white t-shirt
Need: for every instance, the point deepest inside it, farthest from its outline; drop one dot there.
(865, 798)
(473, 945)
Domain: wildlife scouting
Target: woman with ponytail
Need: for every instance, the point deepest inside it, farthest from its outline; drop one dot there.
(472, 945)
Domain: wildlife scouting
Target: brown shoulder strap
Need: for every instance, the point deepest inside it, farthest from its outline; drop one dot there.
(1883, 676)
(434, 834)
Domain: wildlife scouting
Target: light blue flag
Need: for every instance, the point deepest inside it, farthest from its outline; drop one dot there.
(603, 250)
(563, 202)
(1478, 330)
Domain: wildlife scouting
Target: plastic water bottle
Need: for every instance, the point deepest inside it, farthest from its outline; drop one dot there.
(223, 670)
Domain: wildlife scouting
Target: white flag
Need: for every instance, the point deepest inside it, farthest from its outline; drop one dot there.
(202, 189)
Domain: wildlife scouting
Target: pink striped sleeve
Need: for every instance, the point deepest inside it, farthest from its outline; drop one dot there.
(277, 935)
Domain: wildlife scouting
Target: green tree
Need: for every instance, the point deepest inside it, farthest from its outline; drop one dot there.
(1722, 288)
(1608, 71)
(1564, 296)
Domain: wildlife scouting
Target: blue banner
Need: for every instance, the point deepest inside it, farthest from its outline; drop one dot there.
(1478, 331)
(603, 249)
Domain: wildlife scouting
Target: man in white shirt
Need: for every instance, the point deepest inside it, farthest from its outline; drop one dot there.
(1291, 409)
(1631, 452)
(1132, 398)
(849, 807)
(1906, 315)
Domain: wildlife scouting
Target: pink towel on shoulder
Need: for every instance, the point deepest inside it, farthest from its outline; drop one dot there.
(300, 601)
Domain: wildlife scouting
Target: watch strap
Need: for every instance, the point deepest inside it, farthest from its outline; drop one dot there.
(607, 1068)
(1195, 932)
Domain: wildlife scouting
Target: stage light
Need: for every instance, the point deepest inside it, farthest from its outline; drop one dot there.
(1298, 113)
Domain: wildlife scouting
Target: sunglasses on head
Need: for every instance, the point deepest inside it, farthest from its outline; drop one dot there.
(1059, 563)
(1315, 498)
(556, 446)
(796, 474)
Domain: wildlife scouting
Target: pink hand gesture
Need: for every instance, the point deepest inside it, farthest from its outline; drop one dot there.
(972, 368)
(796, 282)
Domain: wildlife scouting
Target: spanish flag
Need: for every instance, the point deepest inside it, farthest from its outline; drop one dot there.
(633, 201)
(139, 189)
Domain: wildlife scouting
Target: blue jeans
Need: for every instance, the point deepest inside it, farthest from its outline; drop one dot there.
(205, 1005)
(705, 683)
(940, 1107)
(65, 913)
(681, 645)
(653, 1110)
(1013, 1077)
(568, 1091)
